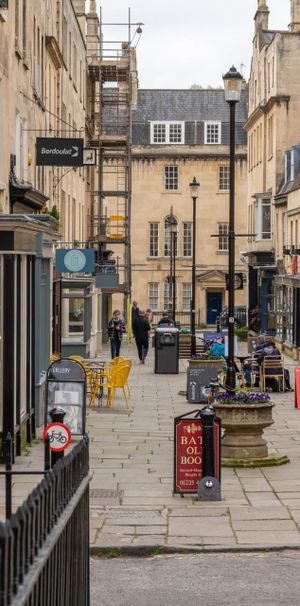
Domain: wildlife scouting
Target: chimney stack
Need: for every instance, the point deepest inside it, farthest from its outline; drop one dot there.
(262, 16)
(294, 26)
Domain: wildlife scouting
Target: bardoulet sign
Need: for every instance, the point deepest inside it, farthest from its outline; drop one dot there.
(51, 151)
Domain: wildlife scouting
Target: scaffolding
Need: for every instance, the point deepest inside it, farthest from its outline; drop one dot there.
(113, 81)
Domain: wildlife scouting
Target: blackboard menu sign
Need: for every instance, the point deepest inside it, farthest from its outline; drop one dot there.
(66, 388)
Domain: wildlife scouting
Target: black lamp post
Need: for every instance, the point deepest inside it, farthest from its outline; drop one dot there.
(194, 189)
(171, 225)
(232, 89)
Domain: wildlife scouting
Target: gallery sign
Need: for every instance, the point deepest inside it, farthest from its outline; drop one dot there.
(66, 388)
(52, 151)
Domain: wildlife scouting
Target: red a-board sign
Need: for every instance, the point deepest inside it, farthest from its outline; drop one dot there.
(188, 454)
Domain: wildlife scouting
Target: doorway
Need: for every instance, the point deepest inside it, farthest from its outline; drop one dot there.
(213, 306)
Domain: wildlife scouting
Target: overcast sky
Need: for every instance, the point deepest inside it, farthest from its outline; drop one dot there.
(190, 41)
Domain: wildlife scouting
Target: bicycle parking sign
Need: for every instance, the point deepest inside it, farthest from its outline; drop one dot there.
(59, 436)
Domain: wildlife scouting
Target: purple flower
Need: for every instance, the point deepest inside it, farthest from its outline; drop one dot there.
(244, 396)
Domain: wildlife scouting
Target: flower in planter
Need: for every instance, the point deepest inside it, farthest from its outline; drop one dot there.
(244, 396)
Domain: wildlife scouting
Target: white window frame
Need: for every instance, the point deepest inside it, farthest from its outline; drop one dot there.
(187, 237)
(223, 237)
(222, 179)
(152, 236)
(167, 125)
(151, 296)
(260, 203)
(206, 128)
(171, 179)
(186, 296)
(292, 166)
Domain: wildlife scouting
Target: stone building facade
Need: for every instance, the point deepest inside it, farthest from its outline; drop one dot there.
(273, 193)
(179, 134)
(43, 84)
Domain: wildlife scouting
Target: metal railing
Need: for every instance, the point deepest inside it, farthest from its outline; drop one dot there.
(44, 546)
(182, 317)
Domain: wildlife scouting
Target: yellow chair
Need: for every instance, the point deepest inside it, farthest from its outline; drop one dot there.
(116, 379)
(272, 368)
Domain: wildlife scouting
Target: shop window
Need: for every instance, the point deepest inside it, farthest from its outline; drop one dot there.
(76, 316)
(263, 219)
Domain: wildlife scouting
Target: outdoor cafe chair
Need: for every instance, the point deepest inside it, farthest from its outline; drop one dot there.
(272, 368)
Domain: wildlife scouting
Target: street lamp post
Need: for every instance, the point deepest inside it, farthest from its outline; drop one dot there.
(171, 225)
(232, 89)
(194, 189)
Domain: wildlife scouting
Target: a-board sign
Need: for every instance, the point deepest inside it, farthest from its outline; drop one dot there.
(198, 382)
(190, 452)
(54, 151)
(66, 387)
(59, 436)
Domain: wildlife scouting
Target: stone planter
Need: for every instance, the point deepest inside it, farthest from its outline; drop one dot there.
(243, 444)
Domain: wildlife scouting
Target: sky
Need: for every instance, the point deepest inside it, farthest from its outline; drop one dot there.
(187, 42)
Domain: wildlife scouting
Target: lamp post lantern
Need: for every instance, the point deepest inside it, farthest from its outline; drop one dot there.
(232, 89)
(194, 189)
(171, 225)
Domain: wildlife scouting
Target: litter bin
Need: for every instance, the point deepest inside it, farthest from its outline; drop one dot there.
(166, 351)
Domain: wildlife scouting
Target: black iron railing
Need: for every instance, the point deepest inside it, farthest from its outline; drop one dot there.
(44, 546)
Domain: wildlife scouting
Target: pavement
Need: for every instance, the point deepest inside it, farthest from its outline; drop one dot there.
(132, 507)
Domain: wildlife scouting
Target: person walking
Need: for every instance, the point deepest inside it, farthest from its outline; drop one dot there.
(141, 328)
(116, 329)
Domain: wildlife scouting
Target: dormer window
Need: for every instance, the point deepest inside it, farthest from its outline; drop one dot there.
(212, 133)
(168, 133)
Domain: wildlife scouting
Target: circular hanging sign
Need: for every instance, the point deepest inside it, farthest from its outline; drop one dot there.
(59, 436)
(75, 260)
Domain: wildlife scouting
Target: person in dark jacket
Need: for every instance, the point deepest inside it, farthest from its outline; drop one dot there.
(165, 320)
(115, 329)
(271, 350)
(141, 329)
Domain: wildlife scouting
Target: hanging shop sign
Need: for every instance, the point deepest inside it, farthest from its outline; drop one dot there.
(51, 151)
(75, 260)
(238, 281)
(66, 388)
(3, 3)
(89, 156)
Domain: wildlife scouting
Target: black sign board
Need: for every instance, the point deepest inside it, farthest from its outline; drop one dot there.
(52, 151)
(198, 382)
(238, 281)
(66, 388)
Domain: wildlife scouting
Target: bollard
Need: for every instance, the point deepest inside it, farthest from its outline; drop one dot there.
(57, 416)
(209, 488)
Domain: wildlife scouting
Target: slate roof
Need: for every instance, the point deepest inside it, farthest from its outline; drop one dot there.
(186, 105)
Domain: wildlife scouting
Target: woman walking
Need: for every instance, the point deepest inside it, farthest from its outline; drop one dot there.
(115, 329)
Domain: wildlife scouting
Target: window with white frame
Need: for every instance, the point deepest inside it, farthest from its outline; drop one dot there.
(153, 239)
(223, 242)
(224, 175)
(187, 239)
(167, 132)
(263, 219)
(186, 296)
(171, 178)
(212, 133)
(153, 295)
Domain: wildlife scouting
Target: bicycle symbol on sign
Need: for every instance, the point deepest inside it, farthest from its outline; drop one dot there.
(57, 436)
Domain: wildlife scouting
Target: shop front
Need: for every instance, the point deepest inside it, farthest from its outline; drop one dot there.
(287, 308)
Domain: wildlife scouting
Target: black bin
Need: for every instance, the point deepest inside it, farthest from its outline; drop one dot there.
(166, 343)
